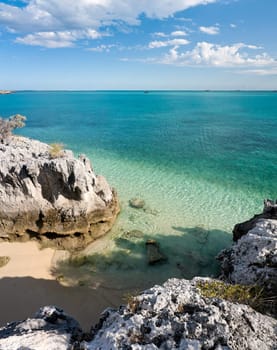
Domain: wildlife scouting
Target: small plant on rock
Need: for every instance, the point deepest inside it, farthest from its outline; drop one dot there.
(8, 125)
(56, 150)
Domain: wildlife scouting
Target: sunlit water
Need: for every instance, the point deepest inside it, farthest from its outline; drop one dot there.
(201, 161)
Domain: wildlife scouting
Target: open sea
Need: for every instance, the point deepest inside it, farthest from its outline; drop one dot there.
(201, 161)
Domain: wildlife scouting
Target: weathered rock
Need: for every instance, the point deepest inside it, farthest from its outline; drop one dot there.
(59, 198)
(252, 259)
(154, 254)
(177, 316)
(269, 212)
(50, 329)
(173, 316)
(137, 203)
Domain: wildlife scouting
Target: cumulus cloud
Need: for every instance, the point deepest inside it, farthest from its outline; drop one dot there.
(174, 42)
(208, 54)
(212, 30)
(57, 39)
(55, 17)
(179, 33)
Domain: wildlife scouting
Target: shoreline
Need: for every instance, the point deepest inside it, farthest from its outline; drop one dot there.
(26, 283)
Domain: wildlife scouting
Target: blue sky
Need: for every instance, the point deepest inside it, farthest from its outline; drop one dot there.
(138, 44)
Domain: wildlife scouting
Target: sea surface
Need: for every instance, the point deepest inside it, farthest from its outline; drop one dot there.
(201, 161)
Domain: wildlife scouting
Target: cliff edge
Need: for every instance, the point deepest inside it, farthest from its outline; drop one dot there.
(50, 195)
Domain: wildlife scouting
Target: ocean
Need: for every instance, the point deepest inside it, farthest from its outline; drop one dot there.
(202, 162)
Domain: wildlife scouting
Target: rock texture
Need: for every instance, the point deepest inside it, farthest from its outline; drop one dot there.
(176, 316)
(172, 316)
(50, 329)
(48, 195)
(253, 257)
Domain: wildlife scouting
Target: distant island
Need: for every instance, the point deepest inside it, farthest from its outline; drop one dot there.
(6, 92)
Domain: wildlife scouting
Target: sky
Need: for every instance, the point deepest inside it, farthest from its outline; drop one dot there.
(138, 44)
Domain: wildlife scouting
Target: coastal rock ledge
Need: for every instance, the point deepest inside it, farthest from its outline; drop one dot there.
(172, 316)
(48, 194)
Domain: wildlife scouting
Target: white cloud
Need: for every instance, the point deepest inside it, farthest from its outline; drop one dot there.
(58, 16)
(213, 30)
(174, 42)
(263, 72)
(232, 25)
(179, 33)
(208, 54)
(160, 34)
(57, 39)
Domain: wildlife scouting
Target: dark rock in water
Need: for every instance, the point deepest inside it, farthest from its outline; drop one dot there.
(53, 195)
(134, 234)
(136, 203)
(154, 254)
(252, 259)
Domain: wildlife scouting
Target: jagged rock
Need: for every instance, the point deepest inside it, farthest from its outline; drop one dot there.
(154, 254)
(137, 203)
(59, 198)
(252, 259)
(50, 329)
(269, 212)
(177, 316)
(173, 316)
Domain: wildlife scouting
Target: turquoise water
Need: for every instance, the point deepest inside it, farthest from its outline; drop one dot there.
(202, 161)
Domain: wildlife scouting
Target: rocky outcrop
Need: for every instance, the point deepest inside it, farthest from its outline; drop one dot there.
(45, 193)
(252, 259)
(173, 316)
(50, 329)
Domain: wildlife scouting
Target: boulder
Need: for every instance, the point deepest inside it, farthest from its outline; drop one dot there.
(52, 195)
(136, 203)
(154, 254)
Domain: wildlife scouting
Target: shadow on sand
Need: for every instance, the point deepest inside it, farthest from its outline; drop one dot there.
(21, 298)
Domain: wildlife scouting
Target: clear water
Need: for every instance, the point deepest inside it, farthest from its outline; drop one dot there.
(202, 161)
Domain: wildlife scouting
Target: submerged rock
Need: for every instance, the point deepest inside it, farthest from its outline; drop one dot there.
(136, 203)
(52, 195)
(252, 259)
(154, 254)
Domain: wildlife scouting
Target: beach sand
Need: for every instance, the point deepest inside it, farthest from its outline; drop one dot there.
(26, 284)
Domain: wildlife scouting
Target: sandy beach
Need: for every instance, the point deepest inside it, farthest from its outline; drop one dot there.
(26, 284)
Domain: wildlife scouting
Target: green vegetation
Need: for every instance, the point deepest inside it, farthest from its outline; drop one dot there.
(8, 125)
(56, 150)
(4, 260)
(251, 295)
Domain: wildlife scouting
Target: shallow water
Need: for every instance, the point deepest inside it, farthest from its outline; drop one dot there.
(201, 161)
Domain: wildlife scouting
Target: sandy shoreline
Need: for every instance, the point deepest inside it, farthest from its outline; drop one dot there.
(26, 284)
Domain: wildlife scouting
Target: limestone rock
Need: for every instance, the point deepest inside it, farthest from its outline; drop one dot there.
(176, 316)
(50, 329)
(59, 198)
(252, 259)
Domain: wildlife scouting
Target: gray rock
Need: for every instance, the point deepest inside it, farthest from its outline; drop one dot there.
(136, 203)
(59, 197)
(50, 329)
(177, 316)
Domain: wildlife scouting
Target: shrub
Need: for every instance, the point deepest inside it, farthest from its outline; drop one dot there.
(56, 150)
(8, 125)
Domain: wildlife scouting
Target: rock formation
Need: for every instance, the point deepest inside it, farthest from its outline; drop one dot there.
(50, 329)
(173, 316)
(252, 259)
(46, 194)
